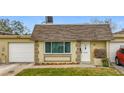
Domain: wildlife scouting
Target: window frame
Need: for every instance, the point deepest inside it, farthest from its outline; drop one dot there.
(57, 53)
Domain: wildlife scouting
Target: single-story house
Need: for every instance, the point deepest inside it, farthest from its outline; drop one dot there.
(61, 44)
(116, 43)
(15, 48)
(70, 44)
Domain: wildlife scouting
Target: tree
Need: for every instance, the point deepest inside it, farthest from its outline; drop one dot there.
(5, 25)
(19, 28)
(15, 27)
(113, 25)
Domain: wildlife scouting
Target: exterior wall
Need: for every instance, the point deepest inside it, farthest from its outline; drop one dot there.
(97, 45)
(78, 52)
(73, 51)
(43, 58)
(118, 38)
(36, 52)
(4, 47)
(108, 49)
(73, 57)
(41, 52)
(115, 44)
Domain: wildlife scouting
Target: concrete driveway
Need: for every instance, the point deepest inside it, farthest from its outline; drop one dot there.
(13, 68)
(119, 68)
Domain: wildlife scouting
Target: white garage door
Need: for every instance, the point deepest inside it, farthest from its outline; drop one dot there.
(21, 52)
(113, 48)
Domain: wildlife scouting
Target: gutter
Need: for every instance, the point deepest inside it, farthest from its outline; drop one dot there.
(15, 36)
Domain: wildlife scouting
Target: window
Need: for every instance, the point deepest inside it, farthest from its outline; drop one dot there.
(57, 47)
(121, 51)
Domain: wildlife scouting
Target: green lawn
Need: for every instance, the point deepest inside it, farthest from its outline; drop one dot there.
(69, 72)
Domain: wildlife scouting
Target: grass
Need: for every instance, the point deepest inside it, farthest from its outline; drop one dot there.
(69, 72)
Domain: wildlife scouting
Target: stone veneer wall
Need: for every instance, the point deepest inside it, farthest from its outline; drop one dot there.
(36, 52)
(78, 52)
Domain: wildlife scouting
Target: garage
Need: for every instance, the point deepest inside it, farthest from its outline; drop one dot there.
(21, 52)
(113, 48)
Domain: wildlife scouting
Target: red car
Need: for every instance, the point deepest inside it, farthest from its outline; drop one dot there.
(119, 59)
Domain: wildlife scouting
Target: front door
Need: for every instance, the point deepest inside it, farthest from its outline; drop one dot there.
(85, 52)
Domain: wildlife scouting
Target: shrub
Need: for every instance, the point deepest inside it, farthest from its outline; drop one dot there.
(100, 53)
(105, 62)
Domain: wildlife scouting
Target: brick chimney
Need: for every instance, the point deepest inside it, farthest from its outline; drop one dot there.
(49, 19)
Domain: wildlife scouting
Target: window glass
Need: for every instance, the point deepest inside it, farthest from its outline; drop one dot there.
(122, 51)
(57, 47)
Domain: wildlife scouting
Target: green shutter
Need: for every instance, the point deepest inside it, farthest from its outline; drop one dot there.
(67, 47)
(48, 47)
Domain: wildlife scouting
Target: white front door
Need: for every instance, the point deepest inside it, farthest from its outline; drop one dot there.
(85, 52)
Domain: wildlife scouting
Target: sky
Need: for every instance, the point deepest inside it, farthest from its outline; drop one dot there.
(30, 21)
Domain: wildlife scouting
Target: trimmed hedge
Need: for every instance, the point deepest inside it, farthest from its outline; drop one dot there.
(100, 53)
(105, 62)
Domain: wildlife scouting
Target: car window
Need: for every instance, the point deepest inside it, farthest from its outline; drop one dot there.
(122, 51)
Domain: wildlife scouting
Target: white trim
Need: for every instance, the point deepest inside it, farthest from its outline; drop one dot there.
(57, 53)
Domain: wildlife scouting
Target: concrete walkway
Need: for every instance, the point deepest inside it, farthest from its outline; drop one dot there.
(5, 68)
(119, 68)
(13, 69)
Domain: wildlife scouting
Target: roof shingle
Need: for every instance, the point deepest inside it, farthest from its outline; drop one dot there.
(120, 32)
(72, 32)
(5, 33)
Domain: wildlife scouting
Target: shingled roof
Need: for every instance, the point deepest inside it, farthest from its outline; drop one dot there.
(5, 33)
(71, 32)
(120, 32)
